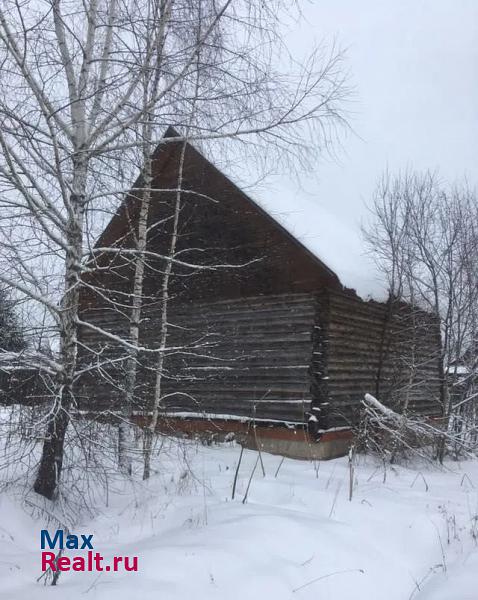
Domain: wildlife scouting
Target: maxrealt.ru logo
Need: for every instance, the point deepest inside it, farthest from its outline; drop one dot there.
(89, 561)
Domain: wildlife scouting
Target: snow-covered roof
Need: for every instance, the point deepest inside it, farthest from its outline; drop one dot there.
(336, 239)
(331, 237)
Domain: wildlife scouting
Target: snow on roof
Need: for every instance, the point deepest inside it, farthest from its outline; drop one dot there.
(333, 237)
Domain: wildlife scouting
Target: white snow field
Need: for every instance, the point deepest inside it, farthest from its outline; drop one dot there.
(412, 536)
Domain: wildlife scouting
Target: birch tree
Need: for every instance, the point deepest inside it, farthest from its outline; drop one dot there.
(153, 33)
(88, 87)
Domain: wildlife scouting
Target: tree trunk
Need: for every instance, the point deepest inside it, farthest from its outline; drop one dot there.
(51, 462)
(150, 431)
(124, 431)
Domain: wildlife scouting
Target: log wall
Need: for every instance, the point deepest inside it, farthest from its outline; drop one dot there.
(248, 357)
(277, 358)
(386, 350)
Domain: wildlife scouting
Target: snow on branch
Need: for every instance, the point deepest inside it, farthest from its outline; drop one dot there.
(25, 359)
(170, 259)
(415, 433)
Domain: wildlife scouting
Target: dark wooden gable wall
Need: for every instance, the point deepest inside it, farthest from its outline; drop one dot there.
(219, 225)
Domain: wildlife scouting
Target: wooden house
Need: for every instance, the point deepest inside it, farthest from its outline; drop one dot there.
(263, 339)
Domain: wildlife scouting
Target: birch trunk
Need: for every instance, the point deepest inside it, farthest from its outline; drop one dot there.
(124, 432)
(49, 472)
(163, 335)
(150, 86)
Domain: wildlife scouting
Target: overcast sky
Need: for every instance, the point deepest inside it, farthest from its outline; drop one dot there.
(414, 65)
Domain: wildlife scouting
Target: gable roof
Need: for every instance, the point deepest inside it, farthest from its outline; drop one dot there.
(317, 252)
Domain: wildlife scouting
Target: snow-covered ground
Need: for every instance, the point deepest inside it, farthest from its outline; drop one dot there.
(412, 535)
